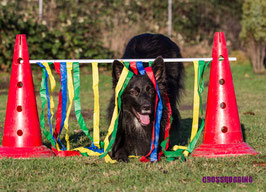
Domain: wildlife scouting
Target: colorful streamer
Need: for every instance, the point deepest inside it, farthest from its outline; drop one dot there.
(80, 119)
(71, 97)
(63, 71)
(158, 115)
(133, 66)
(59, 106)
(96, 113)
(52, 84)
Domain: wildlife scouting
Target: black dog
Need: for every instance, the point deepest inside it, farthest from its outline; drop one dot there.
(136, 119)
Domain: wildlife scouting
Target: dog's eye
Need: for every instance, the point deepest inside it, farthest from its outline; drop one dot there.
(134, 92)
(151, 91)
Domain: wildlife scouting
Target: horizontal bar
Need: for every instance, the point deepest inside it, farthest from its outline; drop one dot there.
(125, 60)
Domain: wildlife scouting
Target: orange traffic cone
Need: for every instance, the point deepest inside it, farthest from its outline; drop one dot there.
(22, 134)
(222, 131)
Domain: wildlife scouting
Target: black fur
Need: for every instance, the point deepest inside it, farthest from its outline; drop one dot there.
(134, 134)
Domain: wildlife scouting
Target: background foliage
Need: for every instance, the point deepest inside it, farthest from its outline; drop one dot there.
(100, 29)
(68, 37)
(254, 31)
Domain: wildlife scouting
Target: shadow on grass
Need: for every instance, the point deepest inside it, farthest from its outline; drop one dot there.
(75, 140)
(185, 131)
(78, 139)
(243, 132)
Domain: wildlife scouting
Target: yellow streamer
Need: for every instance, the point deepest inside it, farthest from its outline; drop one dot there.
(179, 147)
(52, 83)
(196, 106)
(134, 156)
(71, 97)
(96, 113)
(88, 151)
(115, 113)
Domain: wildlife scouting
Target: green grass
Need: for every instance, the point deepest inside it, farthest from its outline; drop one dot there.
(91, 174)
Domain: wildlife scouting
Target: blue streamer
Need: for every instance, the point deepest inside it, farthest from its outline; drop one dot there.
(63, 71)
(159, 112)
(95, 149)
(140, 67)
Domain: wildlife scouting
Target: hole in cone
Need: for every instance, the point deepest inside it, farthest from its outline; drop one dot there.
(20, 132)
(19, 108)
(222, 105)
(221, 81)
(224, 129)
(20, 60)
(221, 58)
(20, 84)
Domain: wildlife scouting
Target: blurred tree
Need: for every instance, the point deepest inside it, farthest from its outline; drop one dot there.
(90, 29)
(254, 32)
(199, 20)
(65, 35)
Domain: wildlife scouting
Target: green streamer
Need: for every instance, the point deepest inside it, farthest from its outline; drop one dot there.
(80, 119)
(46, 133)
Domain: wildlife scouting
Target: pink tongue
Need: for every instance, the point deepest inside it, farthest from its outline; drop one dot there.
(145, 119)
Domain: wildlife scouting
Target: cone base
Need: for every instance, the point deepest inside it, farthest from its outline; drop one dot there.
(68, 153)
(25, 152)
(223, 150)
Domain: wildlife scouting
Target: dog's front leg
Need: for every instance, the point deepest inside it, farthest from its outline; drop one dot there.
(118, 151)
(121, 155)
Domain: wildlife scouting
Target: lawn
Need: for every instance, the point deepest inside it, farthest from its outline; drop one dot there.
(92, 174)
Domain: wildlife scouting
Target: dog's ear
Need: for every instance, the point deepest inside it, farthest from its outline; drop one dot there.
(117, 69)
(158, 68)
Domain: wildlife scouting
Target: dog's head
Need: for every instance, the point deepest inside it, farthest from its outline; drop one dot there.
(139, 95)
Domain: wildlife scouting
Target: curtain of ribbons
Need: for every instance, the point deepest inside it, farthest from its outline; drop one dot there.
(69, 84)
(69, 74)
(183, 151)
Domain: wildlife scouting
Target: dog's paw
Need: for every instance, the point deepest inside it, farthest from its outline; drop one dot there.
(120, 156)
(123, 159)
